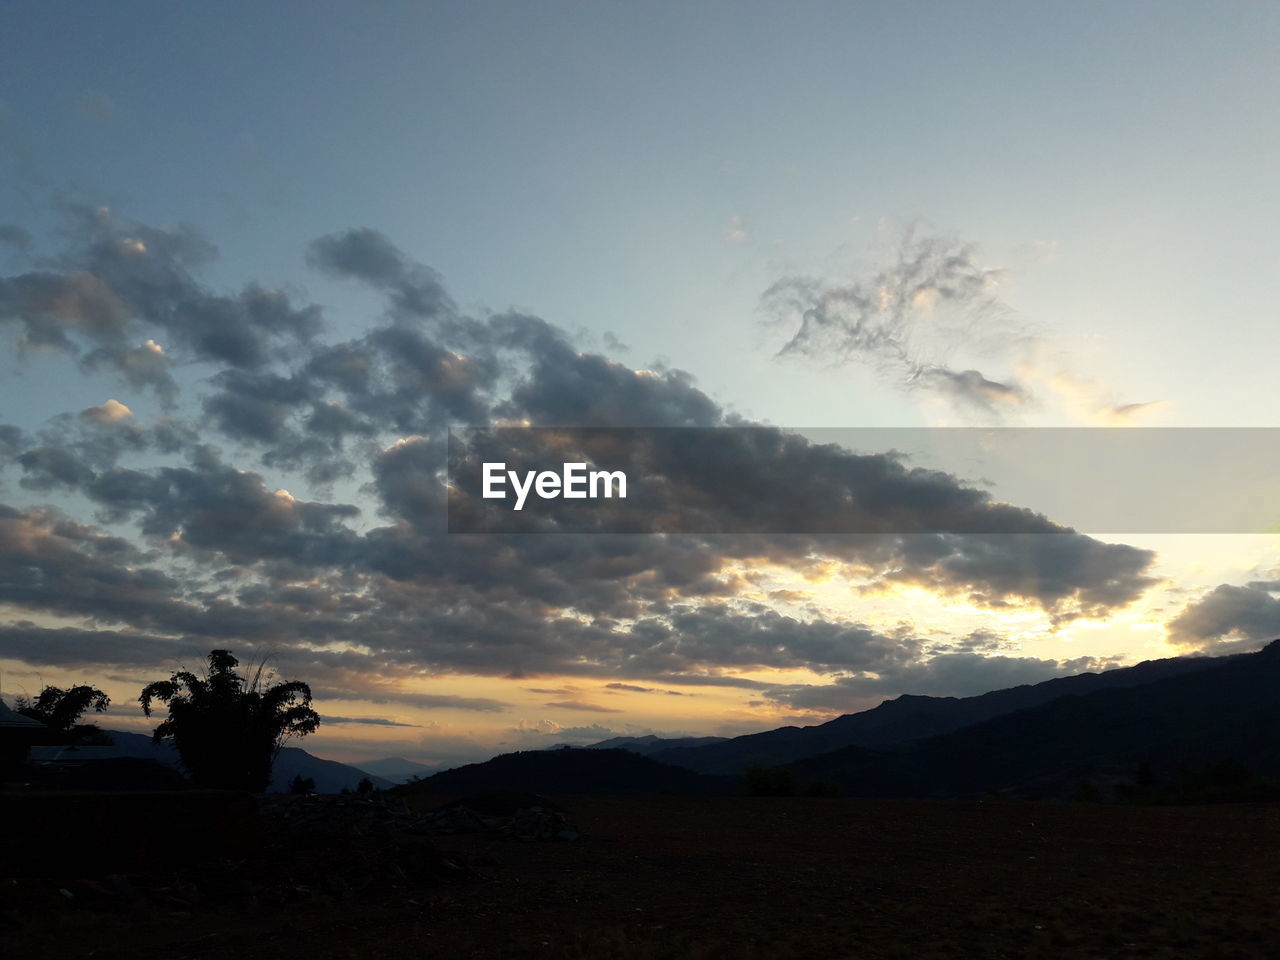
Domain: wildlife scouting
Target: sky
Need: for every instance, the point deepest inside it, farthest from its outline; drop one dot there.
(256, 259)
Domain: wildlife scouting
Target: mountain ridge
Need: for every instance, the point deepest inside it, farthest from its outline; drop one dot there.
(330, 776)
(912, 717)
(1224, 713)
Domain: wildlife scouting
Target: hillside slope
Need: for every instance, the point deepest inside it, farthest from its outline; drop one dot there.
(1229, 711)
(329, 775)
(908, 718)
(617, 772)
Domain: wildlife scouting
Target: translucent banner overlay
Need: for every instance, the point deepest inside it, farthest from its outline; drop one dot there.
(766, 480)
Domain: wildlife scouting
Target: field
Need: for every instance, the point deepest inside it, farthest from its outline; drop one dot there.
(672, 877)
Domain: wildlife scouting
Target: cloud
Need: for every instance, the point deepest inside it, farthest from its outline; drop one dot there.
(123, 283)
(371, 721)
(368, 256)
(113, 411)
(581, 705)
(960, 674)
(633, 688)
(970, 388)
(933, 296)
(1085, 398)
(380, 693)
(1229, 618)
(911, 318)
(209, 525)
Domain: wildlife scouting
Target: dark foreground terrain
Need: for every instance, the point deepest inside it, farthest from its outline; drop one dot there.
(703, 878)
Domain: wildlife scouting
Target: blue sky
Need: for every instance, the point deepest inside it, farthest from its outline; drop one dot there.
(640, 175)
(585, 161)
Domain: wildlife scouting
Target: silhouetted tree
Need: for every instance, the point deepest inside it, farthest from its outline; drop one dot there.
(60, 710)
(364, 786)
(302, 785)
(227, 728)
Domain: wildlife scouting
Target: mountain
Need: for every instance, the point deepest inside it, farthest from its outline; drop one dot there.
(397, 769)
(618, 772)
(647, 746)
(908, 718)
(329, 775)
(1221, 716)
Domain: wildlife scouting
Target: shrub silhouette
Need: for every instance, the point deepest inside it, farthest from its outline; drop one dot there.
(301, 785)
(60, 710)
(227, 728)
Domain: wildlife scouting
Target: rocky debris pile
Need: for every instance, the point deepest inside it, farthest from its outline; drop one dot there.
(324, 814)
(515, 815)
(523, 816)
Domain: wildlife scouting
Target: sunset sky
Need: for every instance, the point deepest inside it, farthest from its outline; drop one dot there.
(255, 262)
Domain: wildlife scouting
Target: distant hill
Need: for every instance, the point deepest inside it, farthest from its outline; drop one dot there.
(619, 772)
(908, 718)
(1227, 710)
(329, 775)
(647, 746)
(396, 769)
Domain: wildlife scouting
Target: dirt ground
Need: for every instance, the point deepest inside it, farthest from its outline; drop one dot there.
(686, 878)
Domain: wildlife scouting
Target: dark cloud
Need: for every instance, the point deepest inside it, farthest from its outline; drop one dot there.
(634, 688)
(198, 545)
(49, 467)
(1229, 618)
(68, 647)
(370, 721)
(368, 256)
(421, 701)
(145, 365)
(126, 292)
(1068, 575)
(979, 641)
(51, 563)
(254, 405)
(565, 388)
(581, 705)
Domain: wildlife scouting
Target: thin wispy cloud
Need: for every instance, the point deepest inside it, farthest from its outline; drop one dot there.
(911, 319)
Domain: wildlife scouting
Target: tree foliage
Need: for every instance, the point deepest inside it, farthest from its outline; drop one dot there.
(60, 710)
(301, 785)
(228, 728)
